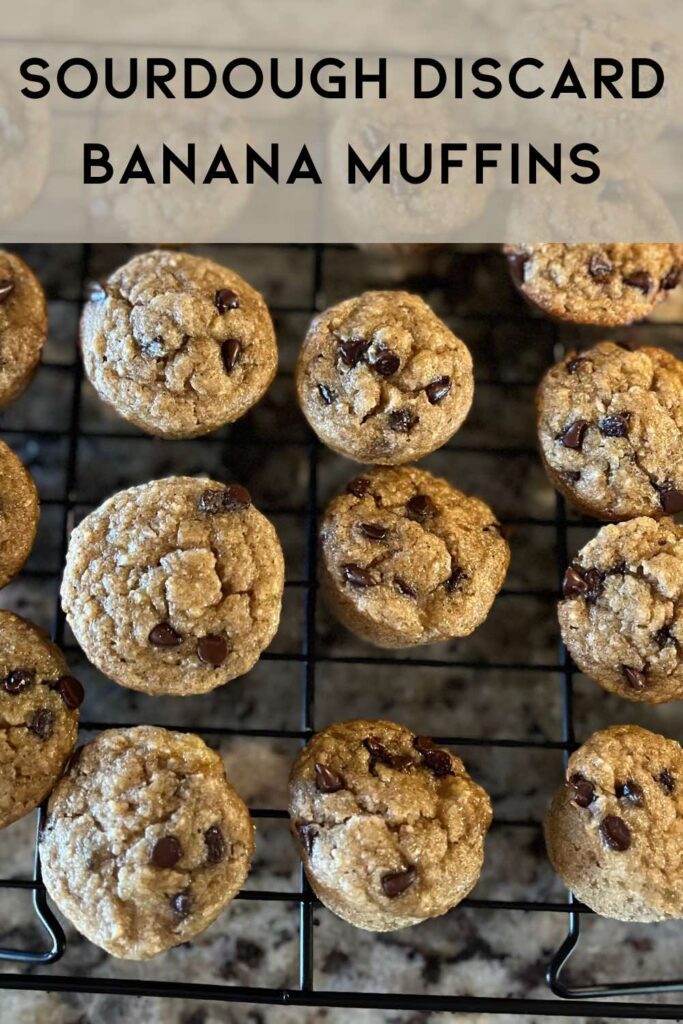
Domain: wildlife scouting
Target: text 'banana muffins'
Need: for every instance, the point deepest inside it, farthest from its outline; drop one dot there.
(381, 379)
(389, 826)
(622, 612)
(610, 427)
(615, 832)
(605, 285)
(39, 704)
(174, 586)
(23, 326)
(145, 841)
(178, 344)
(407, 559)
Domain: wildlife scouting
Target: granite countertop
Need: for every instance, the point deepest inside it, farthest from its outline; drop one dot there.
(469, 951)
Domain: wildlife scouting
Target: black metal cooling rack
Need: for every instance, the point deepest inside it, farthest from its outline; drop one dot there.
(589, 1000)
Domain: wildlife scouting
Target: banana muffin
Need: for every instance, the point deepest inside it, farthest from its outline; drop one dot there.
(175, 586)
(177, 344)
(610, 428)
(389, 826)
(614, 830)
(145, 841)
(381, 379)
(408, 560)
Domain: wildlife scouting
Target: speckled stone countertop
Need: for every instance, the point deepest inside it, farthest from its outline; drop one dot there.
(470, 951)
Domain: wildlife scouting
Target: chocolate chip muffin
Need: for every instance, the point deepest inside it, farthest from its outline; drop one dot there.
(605, 285)
(174, 587)
(19, 514)
(610, 427)
(389, 826)
(622, 611)
(381, 379)
(408, 560)
(23, 326)
(145, 841)
(39, 704)
(178, 344)
(614, 831)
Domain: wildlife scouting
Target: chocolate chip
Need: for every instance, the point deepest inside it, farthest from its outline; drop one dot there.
(586, 584)
(575, 364)
(615, 833)
(307, 834)
(226, 299)
(378, 752)
(455, 579)
(326, 780)
(95, 292)
(327, 394)
(352, 350)
(572, 475)
(212, 650)
(671, 280)
(18, 680)
(574, 434)
(615, 425)
(396, 882)
(671, 498)
(230, 354)
(164, 635)
(359, 486)
(404, 587)
(582, 791)
(357, 576)
(664, 636)
(215, 844)
(599, 265)
(374, 531)
(438, 761)
(211, 501)
(573, 584)
(594, 580)
(42, 723)
(438, 389)
(71, 692)
(631, 792)
(236, 498)
(634, 678)
(517, 262)
(402, 421)
(641, 280)
(420, 507)
(667, 780)
(166, 852)
(181, 903)
(386, 363)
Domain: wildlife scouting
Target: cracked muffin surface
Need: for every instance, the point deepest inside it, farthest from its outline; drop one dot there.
(178, 344)
(23, 326)
(382, 379)
(408, 560)
(601, 284)
(174, 586)
(614, 832)
(622, 612)
(19, 513)
(610, 428)
(389, 826)
(39, 704)
(145, 841)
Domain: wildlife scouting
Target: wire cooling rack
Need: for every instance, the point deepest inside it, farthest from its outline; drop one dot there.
(29, 968)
